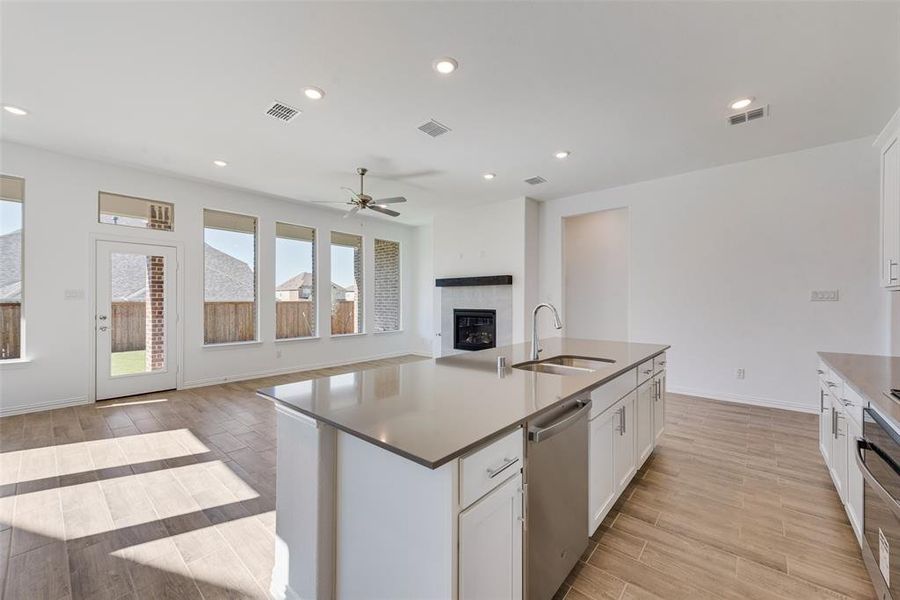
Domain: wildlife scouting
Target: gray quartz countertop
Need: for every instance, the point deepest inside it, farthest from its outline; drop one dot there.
(870, 376)
(436, 410)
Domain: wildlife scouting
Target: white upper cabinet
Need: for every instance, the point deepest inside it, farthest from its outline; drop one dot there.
(889, 144)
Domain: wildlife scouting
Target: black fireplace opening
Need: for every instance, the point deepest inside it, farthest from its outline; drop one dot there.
(474, 329)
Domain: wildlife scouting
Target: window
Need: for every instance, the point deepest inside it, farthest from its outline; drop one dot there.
(115, 209)
(346, 283)
(229, 277)
(387, 285)
(12, 197)
(295, 281)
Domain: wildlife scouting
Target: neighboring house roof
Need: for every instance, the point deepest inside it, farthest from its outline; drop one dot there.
(296, 282)
(227, 279)
(11, 265)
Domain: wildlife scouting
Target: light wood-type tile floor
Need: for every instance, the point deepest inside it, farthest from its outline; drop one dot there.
(172, 495)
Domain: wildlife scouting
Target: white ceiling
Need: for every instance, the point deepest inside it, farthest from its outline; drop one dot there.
(635, 90)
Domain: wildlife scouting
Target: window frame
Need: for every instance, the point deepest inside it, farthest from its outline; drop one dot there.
(101, 193)
(399, 285)
(360, 284)
(315, 278)
(23, 356)
(256, 247)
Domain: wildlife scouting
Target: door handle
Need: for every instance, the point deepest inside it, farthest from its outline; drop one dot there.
(891, 265)
(623, 421)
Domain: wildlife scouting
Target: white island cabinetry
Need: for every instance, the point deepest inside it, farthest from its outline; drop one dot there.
(626, 423)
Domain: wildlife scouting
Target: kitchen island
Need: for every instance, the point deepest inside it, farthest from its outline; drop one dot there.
(412, 481)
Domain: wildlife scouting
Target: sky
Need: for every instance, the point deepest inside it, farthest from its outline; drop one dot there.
(291, 256)
(10, 216)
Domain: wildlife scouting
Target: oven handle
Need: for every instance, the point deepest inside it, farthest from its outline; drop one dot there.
(862, 444)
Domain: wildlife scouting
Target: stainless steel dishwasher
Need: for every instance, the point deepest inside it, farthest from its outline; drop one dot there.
(557, 475)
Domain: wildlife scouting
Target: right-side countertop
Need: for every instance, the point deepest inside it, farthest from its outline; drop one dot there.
(870, 376)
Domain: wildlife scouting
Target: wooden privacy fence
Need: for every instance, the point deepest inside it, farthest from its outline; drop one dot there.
(293, 318)
(128, 326)
(343, 317)
(10, 329)
(223, 322)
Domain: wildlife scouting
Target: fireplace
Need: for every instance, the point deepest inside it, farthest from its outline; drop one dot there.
(474, 329)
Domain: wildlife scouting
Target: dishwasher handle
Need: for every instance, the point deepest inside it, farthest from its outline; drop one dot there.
(539, 434)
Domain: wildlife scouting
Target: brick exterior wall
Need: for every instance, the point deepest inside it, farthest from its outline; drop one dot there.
(155, 317)
(160, 218)
(387, 285)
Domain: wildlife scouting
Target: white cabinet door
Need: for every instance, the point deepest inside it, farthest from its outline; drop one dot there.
(624, 453)
(839, 449)
(490, 545)
(854, 501)
(826, 425)
(644, 434)
(659, 407)
(890, 213)
(602, 484)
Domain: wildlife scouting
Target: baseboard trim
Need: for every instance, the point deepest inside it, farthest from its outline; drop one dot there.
(39, 406)
(743, 399)
(286, 370)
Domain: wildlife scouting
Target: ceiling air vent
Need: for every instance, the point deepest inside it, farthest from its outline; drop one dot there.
(282, 112)
(750, 115)
(433, 128)
(536, 180)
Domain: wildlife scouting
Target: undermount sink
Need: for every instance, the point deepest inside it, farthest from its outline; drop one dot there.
(565, 365)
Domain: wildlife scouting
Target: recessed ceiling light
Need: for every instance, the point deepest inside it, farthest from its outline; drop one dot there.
(314, 93)
(741, 103)
(489, 176)
(220, 163)
(445, 65)
(19, 112)
(562, 154)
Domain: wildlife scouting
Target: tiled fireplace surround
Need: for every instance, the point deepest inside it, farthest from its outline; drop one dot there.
(496, 297)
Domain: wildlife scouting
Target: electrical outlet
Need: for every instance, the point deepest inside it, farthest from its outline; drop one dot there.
(73, 294)
(278, 354)
(740, 373)
(824, 296)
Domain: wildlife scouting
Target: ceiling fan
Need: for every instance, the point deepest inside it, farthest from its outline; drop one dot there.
(362, 201)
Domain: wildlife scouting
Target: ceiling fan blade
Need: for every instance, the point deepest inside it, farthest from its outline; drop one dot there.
(351, 212)
(394, 200)
(331, 202)
(384, 211)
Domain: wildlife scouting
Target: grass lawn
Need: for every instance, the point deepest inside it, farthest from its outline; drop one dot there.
(127, 363)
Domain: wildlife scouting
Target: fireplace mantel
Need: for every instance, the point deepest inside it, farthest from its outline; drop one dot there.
(473, 281)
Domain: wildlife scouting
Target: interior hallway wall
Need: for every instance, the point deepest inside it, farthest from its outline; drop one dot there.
(596, 261)
(723, 261)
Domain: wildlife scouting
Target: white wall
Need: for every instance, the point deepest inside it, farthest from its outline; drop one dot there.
(596, 260)
(61, 215)
(491, 239)
(723, 261)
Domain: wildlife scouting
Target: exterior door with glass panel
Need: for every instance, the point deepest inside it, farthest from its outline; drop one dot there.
(135, 320)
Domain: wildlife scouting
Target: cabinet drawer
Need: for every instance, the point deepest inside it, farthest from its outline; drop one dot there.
(853, 405)
(611, 392)
(644, 371)
(659, 363)
(489, 466)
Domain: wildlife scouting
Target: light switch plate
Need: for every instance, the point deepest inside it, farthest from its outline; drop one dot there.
(824, 296)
